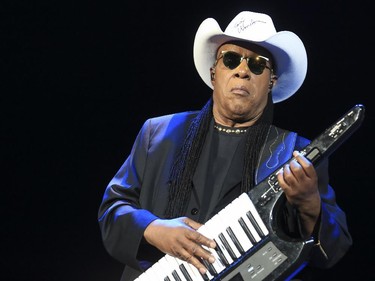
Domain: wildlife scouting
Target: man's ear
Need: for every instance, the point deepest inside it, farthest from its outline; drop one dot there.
(212, 71)
(273, 82)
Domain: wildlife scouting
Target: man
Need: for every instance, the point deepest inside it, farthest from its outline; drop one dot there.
(186, 167)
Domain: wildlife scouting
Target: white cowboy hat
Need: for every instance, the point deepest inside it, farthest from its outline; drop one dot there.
(286, 47)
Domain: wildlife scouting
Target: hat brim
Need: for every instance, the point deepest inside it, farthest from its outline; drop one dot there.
(286, 48)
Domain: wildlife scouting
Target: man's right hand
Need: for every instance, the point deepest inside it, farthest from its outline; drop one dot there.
(179, 238)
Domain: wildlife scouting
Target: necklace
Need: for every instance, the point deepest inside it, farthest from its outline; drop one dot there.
(234, 131)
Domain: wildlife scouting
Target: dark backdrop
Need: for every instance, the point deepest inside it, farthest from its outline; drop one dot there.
(80, 78)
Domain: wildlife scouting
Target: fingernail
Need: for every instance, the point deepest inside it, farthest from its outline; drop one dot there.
(211, 259)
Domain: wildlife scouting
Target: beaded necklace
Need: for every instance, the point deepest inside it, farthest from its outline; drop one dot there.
(228, 130)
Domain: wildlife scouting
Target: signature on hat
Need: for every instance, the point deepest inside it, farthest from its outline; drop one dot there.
(243, 24)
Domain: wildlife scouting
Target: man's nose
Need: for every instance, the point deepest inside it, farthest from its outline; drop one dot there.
(243, 70)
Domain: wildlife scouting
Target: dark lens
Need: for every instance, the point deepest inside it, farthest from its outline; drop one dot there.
(256, 65)
(231, 60)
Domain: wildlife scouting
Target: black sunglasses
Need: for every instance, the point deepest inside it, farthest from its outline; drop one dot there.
(232, 60)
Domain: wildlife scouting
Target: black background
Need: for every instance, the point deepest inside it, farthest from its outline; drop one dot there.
(80, 78)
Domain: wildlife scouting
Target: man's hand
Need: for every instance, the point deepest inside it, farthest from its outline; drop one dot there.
(299, 181)
(179, 238)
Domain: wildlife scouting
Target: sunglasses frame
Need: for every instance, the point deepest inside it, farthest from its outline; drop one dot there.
(222, 54)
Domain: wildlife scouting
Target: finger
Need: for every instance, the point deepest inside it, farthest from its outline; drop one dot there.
(286, 174)
(195, 261)
(195, 246)
(198, 264)
(197, 237)
(183, 255)
(302, 160)
(280, 177)
(308, 167)
(296, 168)
(200, 239)
(287, 179)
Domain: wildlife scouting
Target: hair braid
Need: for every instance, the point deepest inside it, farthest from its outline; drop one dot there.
(255, 139)
(183, 170)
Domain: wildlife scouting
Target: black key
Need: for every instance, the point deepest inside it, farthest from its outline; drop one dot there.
(210, 267)
(223, 260)
(247, 231)
(235, 240)
(175, 276)
(255, 224)
(185, 272)
(205, 277)
(167, 279)
(227, 246)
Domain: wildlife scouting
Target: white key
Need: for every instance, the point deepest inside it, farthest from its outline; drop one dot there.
(193, 271)
(166, 268)
(174, 263)
(155, 273)
(209, 276)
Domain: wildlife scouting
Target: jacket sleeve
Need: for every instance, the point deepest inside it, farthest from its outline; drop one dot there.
(331, 234)
(122, 221)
